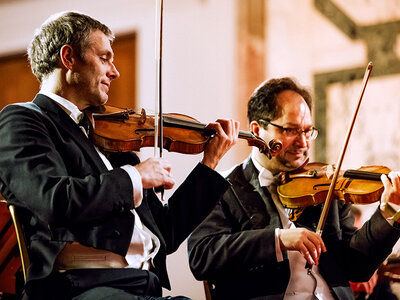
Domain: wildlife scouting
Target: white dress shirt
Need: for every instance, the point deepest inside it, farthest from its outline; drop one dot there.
(144, 244)
(302, 286)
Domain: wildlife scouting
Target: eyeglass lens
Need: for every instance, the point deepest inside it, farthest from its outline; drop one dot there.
(310, 133)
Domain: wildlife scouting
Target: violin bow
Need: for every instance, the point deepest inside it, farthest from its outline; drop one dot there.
(328, 201)
(158, 114)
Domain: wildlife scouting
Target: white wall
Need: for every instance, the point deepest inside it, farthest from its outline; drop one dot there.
(198, 66)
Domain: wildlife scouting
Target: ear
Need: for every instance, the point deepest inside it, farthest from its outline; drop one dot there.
(255, 128)
(67, 57)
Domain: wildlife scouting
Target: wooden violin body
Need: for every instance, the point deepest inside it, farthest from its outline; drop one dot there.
(117, 129)
(310, 186)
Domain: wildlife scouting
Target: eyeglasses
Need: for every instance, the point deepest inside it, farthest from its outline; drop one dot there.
(310, 133)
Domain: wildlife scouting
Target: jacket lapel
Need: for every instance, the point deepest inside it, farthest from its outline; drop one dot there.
(146, 215)
(250, 175)
(66, 125)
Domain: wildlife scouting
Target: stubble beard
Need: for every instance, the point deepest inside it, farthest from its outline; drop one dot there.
(288, 165)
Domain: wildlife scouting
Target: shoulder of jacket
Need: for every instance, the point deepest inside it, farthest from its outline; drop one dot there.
(232, 172)
(29, 105)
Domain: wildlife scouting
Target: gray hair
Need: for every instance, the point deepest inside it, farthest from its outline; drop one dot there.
(66, 28)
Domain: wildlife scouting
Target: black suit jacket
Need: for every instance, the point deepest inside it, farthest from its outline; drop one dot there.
(234, 247)
(52, 173)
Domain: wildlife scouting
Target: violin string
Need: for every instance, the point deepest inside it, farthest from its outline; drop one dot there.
(176, 122)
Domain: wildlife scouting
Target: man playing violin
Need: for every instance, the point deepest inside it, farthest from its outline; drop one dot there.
(248, 248)
(94, 227)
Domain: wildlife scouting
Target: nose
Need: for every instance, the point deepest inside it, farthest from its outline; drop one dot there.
(113, 74)
(301, 139)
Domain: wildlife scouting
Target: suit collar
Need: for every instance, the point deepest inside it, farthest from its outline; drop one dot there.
(253, 198)
(46, 103)
(70, 108)
(250, 173)
(146, 215)
(246, 175)
(66, 124)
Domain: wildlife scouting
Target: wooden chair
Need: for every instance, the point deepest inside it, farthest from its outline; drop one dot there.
(10, 261)
(23, 249)
(207, 290)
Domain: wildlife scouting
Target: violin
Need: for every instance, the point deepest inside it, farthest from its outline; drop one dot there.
(309, 186)
(122, 130)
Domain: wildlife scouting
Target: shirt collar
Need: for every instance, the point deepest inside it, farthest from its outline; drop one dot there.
(265, 176)
(70, 108)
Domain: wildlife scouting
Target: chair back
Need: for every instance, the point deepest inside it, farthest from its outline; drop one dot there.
(207, 290)
(23, 249)
(10, 260)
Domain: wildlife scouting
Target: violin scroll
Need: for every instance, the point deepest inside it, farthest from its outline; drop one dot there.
(275, 147)
(269, 149)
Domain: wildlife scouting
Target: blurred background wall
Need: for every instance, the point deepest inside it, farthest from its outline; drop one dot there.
(216, 52)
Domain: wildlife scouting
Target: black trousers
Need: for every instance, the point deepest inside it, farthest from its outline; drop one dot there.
(96, 284)
(106, 293)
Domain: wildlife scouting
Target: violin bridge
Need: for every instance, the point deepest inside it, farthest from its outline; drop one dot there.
(330, 171)
(143, 117)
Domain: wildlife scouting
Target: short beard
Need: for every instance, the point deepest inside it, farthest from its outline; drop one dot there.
(288, 166)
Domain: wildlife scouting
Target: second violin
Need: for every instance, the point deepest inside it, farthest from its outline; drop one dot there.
(310, 185)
